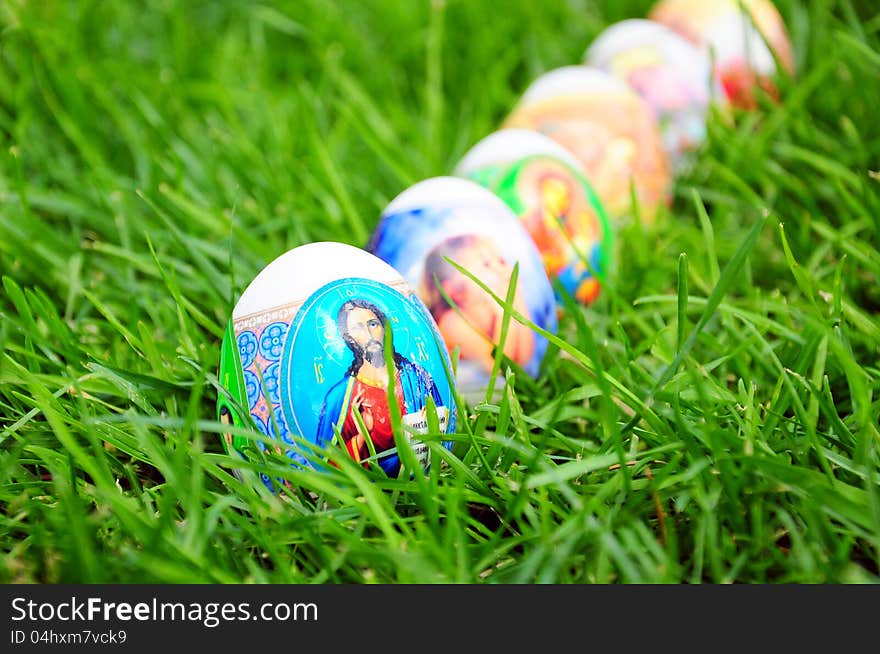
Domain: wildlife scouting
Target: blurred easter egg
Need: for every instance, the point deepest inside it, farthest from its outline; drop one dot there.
(542, 183)
(737, 39)
(672, 75)
(611, 131)
(456, 219)
(303, 359)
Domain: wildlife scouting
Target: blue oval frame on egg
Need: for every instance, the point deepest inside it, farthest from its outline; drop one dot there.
(316, 365)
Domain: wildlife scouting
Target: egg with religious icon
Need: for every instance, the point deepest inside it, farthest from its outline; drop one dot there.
(744, 38)
(610, 130)
(326, 347)
(669, 72)
(543, 184)
(439, 227)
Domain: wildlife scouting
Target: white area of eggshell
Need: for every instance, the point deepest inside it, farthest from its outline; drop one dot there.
(296, 274)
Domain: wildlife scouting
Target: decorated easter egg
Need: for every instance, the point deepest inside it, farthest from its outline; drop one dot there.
(304, 360)
(611, 131)
(737, 40)
(669, 72)
(542, 183)
(445, 219)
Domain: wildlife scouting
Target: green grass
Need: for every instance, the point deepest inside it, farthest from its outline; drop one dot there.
(713, 418)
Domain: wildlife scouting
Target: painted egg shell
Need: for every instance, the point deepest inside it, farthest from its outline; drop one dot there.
(542, 183)
(609, 128)
(672, 75)
(742, 58)
(459, 219)
(304, 354)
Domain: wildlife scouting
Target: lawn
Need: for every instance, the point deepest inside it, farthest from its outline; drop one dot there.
(711, 418)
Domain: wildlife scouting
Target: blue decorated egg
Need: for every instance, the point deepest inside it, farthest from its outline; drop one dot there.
(449, 219)
(304, 361)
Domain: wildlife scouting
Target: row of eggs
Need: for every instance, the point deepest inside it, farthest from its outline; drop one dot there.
(306, 356)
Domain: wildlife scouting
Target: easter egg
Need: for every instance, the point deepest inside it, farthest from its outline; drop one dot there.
(542, 183)
(444, 219)
(303, 360)
(609, 129)
(670, 73)
(738, 41)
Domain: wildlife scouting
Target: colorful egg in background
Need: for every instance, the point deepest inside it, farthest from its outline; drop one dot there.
(670, 73)
(542, 183)
(611, 131)
(742, 58)
(303, 358)
(449, 217)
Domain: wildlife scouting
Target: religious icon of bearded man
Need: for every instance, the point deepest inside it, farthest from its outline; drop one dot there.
(363, 388)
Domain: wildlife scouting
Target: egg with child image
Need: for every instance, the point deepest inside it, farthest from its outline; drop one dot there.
(304, 361)
(609, 129)
(542, 183)
(445, 219)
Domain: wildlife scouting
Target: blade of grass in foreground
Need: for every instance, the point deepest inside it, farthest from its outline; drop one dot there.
(731, 271)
